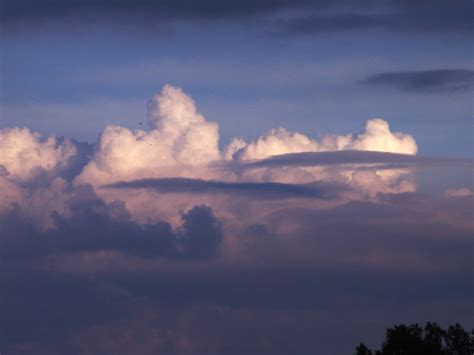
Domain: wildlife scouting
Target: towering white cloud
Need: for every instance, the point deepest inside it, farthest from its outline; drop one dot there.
(179, 140)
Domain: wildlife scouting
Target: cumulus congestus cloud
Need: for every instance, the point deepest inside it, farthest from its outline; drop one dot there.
(180, 142)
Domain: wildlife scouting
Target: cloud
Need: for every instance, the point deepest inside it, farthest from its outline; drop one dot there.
(461, 192)
(429, 81)
(179, 138)
(177, 164)
(93, 225)
(170, 10)
(181, 144)
(25, 154)
(275, 142)
(262, 190)
(319, 15)
(376, 137)
(393, 16)
(44, 174)
(35, 172)
(309, 270)
(352, 157)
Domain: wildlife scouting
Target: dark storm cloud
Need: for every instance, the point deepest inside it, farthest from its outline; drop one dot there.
(97, 226)
(430, 81)
(38, 308)
(43, 311)
(261, 190)
(351, 157)
(320, 15)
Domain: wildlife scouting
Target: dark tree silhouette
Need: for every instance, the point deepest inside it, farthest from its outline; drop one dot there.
(363, 350)
(430, 340)
(458, 341)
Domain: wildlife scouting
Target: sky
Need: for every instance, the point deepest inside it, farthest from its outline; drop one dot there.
(209, 177)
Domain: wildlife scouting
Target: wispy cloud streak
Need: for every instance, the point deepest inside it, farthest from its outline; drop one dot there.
(428, 81)
(196, 186)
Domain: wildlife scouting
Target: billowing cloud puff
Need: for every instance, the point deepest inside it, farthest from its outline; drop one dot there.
(192, 139)
(179, 138)
(277, 141)
(30, 169)
(23, 153)
(376, 137)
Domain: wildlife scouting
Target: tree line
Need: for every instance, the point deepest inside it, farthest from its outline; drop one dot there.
(429, 340)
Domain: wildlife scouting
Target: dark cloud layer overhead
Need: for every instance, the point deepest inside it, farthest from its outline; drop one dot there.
(319, 15)
(161, 9)
(429, 81)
